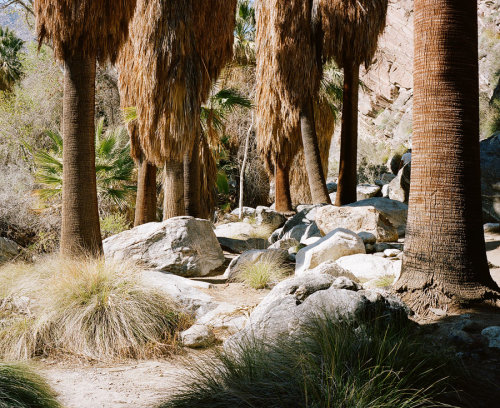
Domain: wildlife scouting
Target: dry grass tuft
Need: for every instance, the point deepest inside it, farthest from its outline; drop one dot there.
(267, 271)
(90, 308)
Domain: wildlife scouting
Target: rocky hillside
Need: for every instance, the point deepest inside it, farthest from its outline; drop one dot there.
(386, 101)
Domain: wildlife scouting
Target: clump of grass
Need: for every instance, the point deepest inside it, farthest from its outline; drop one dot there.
(331, 365)
(21, 388)
(86, 307)
(268, 270)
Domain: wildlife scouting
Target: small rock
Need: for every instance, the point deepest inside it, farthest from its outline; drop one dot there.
(247, 212)
(368, 267)
(285, 244)
(345, 283)
(492, 333)
(438, 312)
(267, 216)
(8, 250)
(391, 253)
(329, 268)
(197, 336)
(365, 191)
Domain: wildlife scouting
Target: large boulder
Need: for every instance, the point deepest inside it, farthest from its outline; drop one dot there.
(399, 188)
(236, 230)
(368, 267)
(295, 302)
(8, 250)
(330, 268)
(490, 177)
(185, 292)
(367, 221)
(185, 246)
(336, 244)
(395, 211)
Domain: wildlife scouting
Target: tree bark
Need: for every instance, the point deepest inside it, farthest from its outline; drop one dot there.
(173, 190)
(317, 182)
(445, 257)
(348, 171)
(192, 174)
(282, 188)
(80, 233)
(243, 168)
(145, 205)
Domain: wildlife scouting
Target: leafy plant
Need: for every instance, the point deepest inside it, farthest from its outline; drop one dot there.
(244, 33)
(10, 63)
(113, 224)
(114, 167)
(21, 388)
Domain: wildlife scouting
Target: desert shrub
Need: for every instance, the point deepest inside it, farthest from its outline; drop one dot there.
(330, 365)
(21, 388)
(88, 307)
(270, 269)
(114, 224)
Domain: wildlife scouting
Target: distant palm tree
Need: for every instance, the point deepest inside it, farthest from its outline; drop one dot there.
(114, 167)
(244, 34)
(10, 64)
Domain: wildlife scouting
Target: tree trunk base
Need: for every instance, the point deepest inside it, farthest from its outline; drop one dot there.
(422, 298)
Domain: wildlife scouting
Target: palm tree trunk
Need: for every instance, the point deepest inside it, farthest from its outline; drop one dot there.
(80, 231)
(317, 182)
(173, 190)
(445, 258)
(145, 205)
(348, 172)
(282, 188)
(192, 176)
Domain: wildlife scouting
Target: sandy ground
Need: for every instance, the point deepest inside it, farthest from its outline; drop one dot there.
(146, 383)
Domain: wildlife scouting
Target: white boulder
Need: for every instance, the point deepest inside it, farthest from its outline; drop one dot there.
(368, 267)
(185, 246)
(336, 244)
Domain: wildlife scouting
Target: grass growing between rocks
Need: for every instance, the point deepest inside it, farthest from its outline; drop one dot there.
(21, 388)
(267, 271)
(329, 366)
(89, 308)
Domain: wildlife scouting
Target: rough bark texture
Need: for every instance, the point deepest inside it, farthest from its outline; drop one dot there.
(192, 175)
(348, 171)
(319, 192)
(80, 216)
(145, 205)
(445, 259)
(282, 180)
(173, 190)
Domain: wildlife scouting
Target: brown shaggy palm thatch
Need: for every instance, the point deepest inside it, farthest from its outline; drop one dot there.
(299, 182)
(180, 46)
(351, 29)
(287, 74)
(89, 27)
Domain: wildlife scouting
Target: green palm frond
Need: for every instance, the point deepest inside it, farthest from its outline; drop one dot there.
(114, 167)
(244, 34)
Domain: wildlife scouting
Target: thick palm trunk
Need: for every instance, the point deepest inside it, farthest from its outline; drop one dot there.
(80, 216)
(173, 190)
(145, 205)
(317, 182)
(192, 176)
(282, 188)
(445, 258)
(348, 172)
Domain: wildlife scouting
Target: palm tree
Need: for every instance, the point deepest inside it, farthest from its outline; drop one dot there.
(350, 30)
(113, 164)
(288, 77)
(145, 203)
(10, 64)
(445, 258)
(244, 34)
(179, 51)
(326, 110)
(81, 33)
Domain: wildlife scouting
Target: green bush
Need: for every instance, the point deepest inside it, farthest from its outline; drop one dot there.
(114, 224)
(331, 365)
(21, 388)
